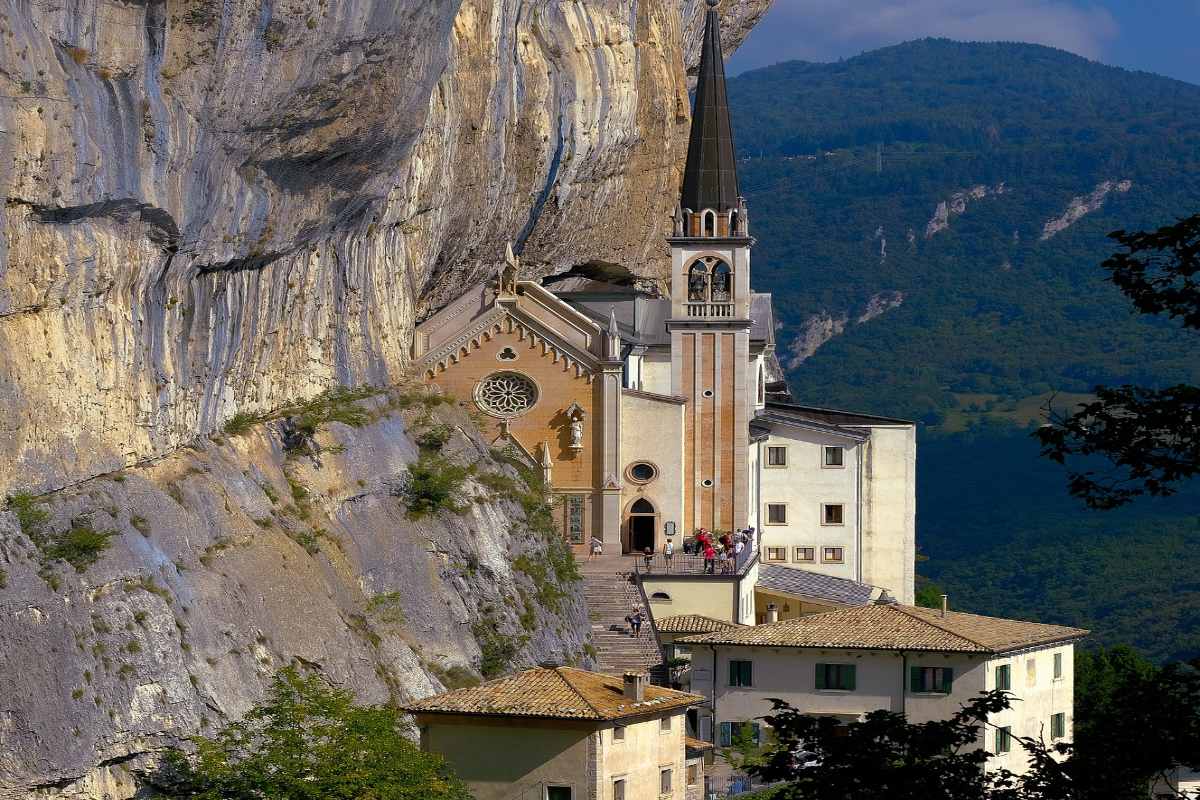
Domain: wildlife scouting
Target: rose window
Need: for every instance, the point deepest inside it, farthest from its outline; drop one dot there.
(506, 394)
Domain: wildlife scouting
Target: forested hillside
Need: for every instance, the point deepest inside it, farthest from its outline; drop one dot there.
(931, 218)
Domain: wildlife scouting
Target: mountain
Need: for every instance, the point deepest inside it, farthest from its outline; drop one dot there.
(930, 219)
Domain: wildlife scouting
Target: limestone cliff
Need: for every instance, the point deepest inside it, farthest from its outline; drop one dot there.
(221, 207)
(235, 557)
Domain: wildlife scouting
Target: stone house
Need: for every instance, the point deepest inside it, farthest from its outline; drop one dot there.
(565, 734)
(922, 662)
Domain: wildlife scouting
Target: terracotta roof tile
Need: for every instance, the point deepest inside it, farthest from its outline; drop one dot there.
(895, 627)
(692, 623)
(558, 693)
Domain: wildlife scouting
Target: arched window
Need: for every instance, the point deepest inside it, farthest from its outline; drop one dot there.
(641, 506)
(660, 596)
(710, 223)
(722, 283)
(733, 221)
(698, 283)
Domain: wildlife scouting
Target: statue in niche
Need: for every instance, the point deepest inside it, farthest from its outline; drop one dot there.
(510, 272)
(575, 415)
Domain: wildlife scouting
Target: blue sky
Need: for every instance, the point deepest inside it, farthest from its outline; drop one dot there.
(1160, 36)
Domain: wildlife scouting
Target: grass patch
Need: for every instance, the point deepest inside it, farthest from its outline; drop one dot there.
(387, 608)
(434, 438)
(31, 515)
(307, 540)
(455, 677)
(333, 405)
(433, 484)
(496, 651)
(270, 492)
(140, 524)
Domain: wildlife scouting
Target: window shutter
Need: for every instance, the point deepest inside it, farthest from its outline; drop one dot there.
(726, 734)
(949, 682)
(852, 677)
(821, 677)
(915, 679)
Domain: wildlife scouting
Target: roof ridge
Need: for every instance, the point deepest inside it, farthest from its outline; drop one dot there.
(560, 672)
(943, 628)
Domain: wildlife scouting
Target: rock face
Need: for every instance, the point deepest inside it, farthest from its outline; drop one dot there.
(221, 207)
(956, 205)
(1081, 206)
(234, 558)
(821, 328)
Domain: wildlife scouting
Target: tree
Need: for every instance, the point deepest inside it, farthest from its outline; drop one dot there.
(1150, 437)
(309, 741)
(1147, 723)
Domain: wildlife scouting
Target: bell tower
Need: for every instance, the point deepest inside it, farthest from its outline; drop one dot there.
(710, 307)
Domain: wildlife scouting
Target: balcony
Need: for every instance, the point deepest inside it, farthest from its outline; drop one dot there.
(708, 309)
(686, 564)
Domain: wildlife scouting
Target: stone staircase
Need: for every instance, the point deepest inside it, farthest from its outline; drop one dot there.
(611, 596)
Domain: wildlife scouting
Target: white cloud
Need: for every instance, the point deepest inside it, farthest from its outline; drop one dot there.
(825, 30)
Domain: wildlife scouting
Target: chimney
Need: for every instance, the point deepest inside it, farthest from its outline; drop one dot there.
(945, 604)
(635, 686)
(772, 613)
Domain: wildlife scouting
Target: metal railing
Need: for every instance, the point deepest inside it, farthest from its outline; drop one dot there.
(688, 564)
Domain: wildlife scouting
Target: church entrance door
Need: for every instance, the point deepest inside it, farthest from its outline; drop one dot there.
(642, 524)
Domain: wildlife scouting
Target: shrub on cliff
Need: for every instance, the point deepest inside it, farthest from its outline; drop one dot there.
(309, 741)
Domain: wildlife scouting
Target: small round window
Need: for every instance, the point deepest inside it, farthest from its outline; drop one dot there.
(706, 483)
(642, 472)
(506, 394)
(708, 392)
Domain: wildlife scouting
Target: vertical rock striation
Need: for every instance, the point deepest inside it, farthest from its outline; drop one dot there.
(214, 207)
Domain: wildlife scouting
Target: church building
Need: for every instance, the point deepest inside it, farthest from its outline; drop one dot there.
(655, 416)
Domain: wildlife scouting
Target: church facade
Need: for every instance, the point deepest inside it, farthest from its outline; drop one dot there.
(655, 416)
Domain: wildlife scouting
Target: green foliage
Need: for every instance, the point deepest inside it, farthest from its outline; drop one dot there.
(928, 593)
(339, 404)
(31, 516)
(994, 318)
(309, 741)
(387, 607)
(744, 751)
(435, 437)
(241, 422)
(80, 545)
(140, 524)
(497, 651)
(455, 677)
(434, 484)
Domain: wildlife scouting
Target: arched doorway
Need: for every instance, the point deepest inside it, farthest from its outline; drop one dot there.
(642, 523)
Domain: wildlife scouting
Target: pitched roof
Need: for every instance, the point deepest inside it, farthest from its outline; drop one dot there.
(710, 176)
(896, 627)
(692, 623)
(802, 583)
(556, 693)
(832, 416)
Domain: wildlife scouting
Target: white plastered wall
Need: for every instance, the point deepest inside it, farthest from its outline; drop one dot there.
(889, 538)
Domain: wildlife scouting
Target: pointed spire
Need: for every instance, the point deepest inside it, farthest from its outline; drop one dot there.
(612, 322)
(710, 177)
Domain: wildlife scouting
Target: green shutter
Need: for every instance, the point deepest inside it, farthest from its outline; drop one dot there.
(949, 673)
(853, 676)
(915, 679)
(821, 677)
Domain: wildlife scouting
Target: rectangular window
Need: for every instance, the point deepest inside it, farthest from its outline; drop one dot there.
(1004, 677)
(618, 733)
(664, 724)
(840, 677)
(776, 554)
(806, 554)
(832, 514)
(776, 456)
(1003, 739)
(777, 513)
(729, 731)
(619, 789)
(741, 673)
(833, 555)
(1058, 672)
(558, 793)
(693, 774)
(834, 457)
(575, 518)
(1031, 673)
(1058, 725)
(664, 781)
(931, 679)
